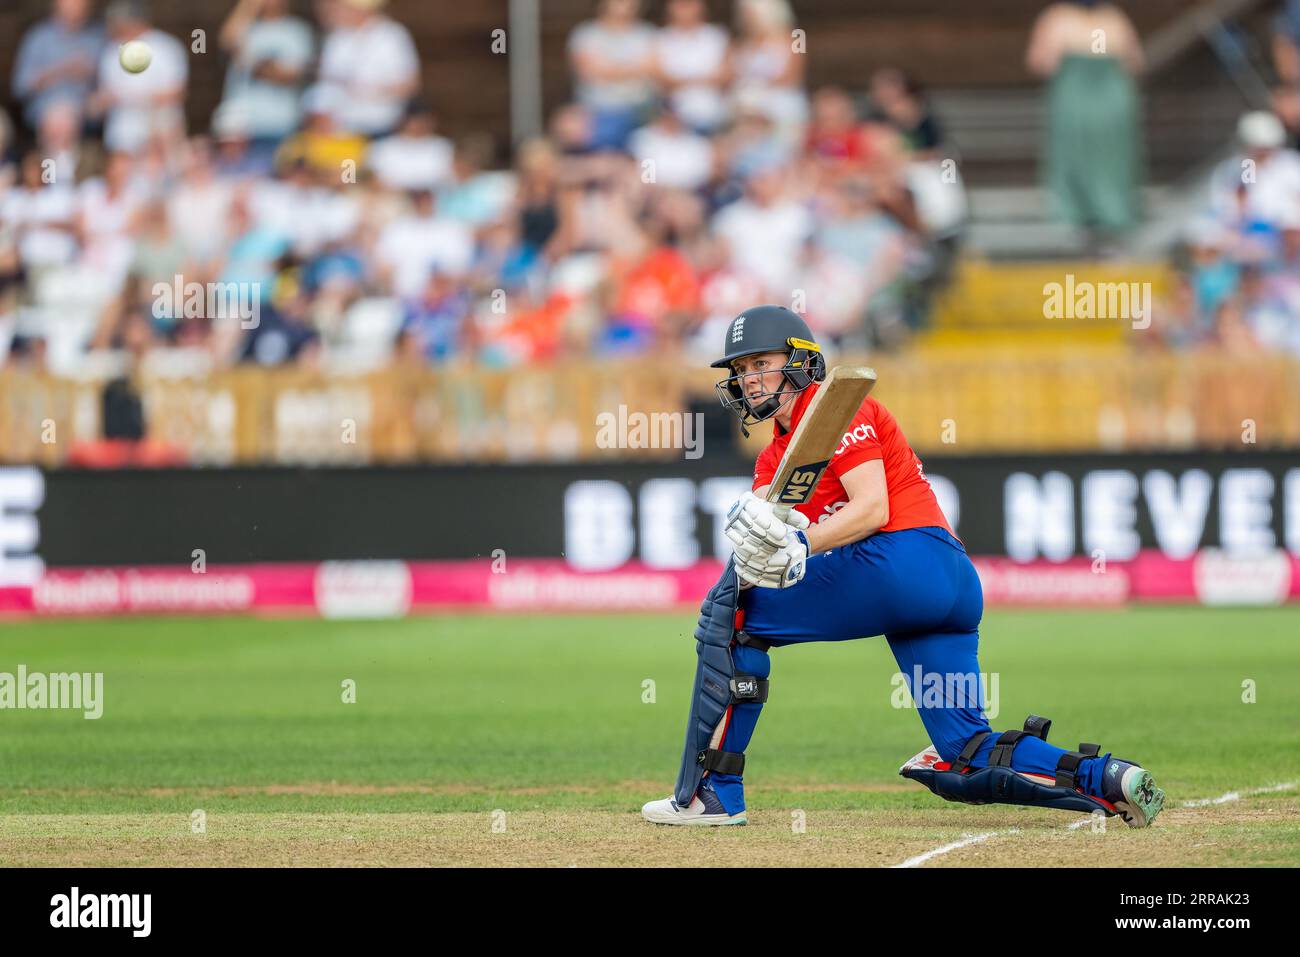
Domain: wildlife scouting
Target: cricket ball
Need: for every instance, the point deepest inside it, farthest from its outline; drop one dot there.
(134, 55)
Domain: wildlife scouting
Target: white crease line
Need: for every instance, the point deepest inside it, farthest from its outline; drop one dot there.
(1238, 795)
(955, 845)
(1074, 826)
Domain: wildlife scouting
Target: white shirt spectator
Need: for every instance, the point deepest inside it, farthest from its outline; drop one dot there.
(268, 109)
(412, 162)
(690, 58)
(359, 62)
(43, 218)
(766, 241)
(106, 223)
(308, 217)
(682, 159)
(198, 210)
(628, 46)
(412, 247)
(134, 118)
(1275, 191)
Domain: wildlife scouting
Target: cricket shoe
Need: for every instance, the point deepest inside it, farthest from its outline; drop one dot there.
(705, 810)
(1133, 791)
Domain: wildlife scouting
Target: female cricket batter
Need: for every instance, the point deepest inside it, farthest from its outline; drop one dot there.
(869, 554)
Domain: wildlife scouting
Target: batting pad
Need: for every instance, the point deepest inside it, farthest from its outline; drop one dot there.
(997, 786)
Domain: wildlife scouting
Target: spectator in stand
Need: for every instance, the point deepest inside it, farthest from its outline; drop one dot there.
(156, 256)
(1286, 104)
(1273, 304)
(140, 108)
(370, 66)
(670, 154)
(900, 101)
(654, 293)
(752, 144)
(57, 60)
(42, 215)
(613, 62)
(1090, 53)
(1252, 192)
(474, 195)
(258, 235)
(691, 57)
(59, 139)
(857, 231)
(283, 332)
(326, 148)
(1286, 44)
(109, 207)
(436, 317)
(1213, 275)
(270, 51)
(199, 207)
(502, 261)
(537, 202)
(414, 157)
(766, 68)
(839, 144)
(233, 142)
(599, 216)
(835, 299)
(8, 154)
(413, 246)
(835, 135)
(1177, 321)
(11, 281)
(929, 190)
(766, 230)
(1232, 334)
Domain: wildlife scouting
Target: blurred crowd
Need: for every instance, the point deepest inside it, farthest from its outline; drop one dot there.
(321, 217)
(692, 175)
(1238, 283)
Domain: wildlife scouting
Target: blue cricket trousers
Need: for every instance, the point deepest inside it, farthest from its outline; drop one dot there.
(919, 589)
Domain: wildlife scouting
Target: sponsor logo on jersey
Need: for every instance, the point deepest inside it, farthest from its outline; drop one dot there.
(856, 435)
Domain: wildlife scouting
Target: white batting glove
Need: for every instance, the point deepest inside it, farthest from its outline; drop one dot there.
(781, 569)
(755, 530)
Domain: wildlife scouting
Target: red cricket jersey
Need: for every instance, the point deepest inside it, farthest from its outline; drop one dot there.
(874, 435)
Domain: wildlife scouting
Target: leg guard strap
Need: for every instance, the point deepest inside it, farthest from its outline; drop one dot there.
(723, 762)
(1000, 756)
(745, 638)
(1068, 766)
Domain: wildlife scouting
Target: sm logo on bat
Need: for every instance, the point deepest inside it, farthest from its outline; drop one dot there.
(799, 487)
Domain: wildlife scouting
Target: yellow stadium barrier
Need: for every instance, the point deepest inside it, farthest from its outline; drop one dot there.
(949, 401)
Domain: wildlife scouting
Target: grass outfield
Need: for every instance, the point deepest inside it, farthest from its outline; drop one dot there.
(543, 720)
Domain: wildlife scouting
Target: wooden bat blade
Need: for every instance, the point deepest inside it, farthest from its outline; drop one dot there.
(819, 433)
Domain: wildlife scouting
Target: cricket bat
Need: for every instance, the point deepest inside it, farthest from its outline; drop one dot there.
(818, 435)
